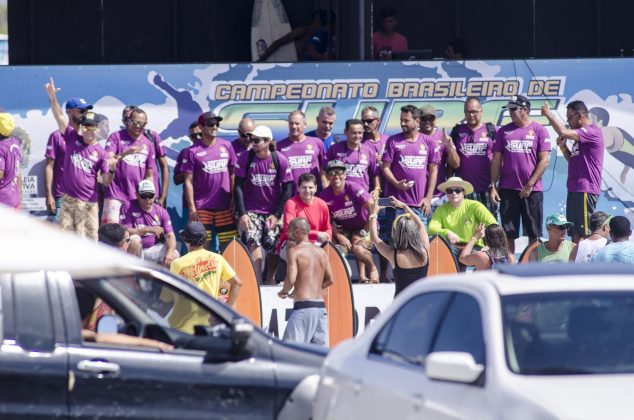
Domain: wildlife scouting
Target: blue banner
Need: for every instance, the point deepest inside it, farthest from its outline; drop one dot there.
(174, 95)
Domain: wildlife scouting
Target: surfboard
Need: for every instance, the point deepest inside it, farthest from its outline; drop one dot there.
(527, 251)
(441, 259)
(338, 299)
(269, 23)
(249, 301)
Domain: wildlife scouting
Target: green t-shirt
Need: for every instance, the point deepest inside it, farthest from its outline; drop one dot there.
(463, 221)
(546, 256)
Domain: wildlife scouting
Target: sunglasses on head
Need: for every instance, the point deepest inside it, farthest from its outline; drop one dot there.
(212, 123)
(139, 124)
(336, 172)
(196, 136)
(454, 190)
(147, 196)
(369, 121)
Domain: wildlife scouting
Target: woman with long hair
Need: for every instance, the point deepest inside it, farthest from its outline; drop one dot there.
(409, 257)
(495, 252)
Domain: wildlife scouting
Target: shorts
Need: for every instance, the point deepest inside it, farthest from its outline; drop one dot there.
(80, 216)
(530, 210)
(579, 207)
(156, 253)
(391, 214)
(220, 226)
(308, 323)
(111, 210)
(259, 233)
(484, 198)
(355, 236)
(54, 218)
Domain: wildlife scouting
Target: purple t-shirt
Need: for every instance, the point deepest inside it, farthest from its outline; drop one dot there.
(475, 149)
(378, 146)
(347, 209)
(211, 168)
(586, 161)
(56, 149)
(133, 216)
(156, 154)
(520, 147)
(81, 165)
(262, 188)
(441, 151)
(10, 155)
(179, 162)
(130, 169)
(360, 163)
(303, 156)
(238, 147)
(409, 160)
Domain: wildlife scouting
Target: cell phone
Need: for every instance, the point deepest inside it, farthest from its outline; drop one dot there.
(410, 183)
(385, 202)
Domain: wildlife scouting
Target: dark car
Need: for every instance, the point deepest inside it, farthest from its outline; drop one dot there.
(221, 365)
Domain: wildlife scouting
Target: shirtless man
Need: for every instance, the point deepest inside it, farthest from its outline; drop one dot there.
(309, 272)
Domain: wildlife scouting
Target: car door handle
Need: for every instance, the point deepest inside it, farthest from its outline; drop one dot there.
(98, 366)
(357, 387)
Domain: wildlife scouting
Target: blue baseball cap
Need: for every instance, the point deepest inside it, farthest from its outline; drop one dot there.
(77, 102)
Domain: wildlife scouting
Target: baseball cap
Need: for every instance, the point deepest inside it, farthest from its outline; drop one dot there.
(335, 164)
(77, 102)
(428, 111)
(7, 125)
(518, 101)
(558, 220)
(205, 116)
(262, 131)
(146, 186)
(90, 119)
(193, 231)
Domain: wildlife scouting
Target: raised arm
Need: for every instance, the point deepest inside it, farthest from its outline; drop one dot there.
(51, 91)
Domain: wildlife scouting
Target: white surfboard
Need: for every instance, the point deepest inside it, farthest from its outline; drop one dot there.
(268, 23)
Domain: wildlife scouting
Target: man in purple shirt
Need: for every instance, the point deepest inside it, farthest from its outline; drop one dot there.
(151, 233)
(520, 156)
(159, 161)
(305, 154)
(10, 156)
(209, 176)
(410, 167)
(585, 163)
(242, 143)
(350, 205)
(371, 135)
(474, 143)
(444, 148)
(359, 158)
(263, 184)
(133, 152)
(83, 161)
(55, 150)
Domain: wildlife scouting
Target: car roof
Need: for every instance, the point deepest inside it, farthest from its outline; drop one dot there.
(30, 244)
(541, 278)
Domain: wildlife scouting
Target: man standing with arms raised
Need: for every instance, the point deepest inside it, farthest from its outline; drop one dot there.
(325, 122)
(520, 156)
(208, 167)
(305, 154)
(410, 167)
(585, 163)
(474, 143)
(307, 275)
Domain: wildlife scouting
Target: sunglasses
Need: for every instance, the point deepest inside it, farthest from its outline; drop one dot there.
(82, 110)
(211, 123)
(336, 172)
(473, 112)
(89, 127)
(138, 124)
(256, 140)
(454, 190)
(242, 135)
(369, 121)
(561, 227)
(147, 196)
(196, 136)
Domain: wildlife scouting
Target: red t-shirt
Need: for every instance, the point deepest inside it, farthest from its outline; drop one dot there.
(316, 213)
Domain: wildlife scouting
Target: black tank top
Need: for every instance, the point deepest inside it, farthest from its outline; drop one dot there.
(403, 277)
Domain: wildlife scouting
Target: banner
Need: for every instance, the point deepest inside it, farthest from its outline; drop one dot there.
(174, 95)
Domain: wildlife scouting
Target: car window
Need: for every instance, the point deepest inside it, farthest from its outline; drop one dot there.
(461, 328)
(407, 336)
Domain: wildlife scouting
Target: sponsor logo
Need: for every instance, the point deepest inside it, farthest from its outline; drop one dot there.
(355, 171)
(215, 166)
(80, 163)
(414, 162)
(300, 162)
(474, 149)
(519, 146)
(345, 213)
(262, 180)
(137, 159)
